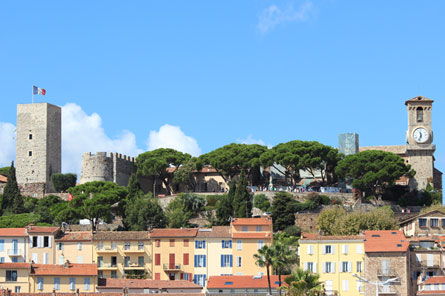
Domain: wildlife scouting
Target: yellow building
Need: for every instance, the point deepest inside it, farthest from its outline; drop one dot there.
(63, 278)
(15, 277)
(76, 247)
(122, 254)
(249, 235)
(336, 259)
(41, 243)
(173, 253)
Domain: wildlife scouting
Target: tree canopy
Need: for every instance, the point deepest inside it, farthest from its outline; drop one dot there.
(12, 200)
(242, 201)
(231, 159)
(156, 164)
(373, 170)
(62, 182)
(283, 211)
(144, 212)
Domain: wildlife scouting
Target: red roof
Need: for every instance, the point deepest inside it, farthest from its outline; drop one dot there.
(18, 265)
(174, 232)
(435, 280)
(108, 283)
(431, 292)
(385, 241)
(76, 236)
(252, 235)
(316, 236)
(73, 269)
(13, 232)
(252, 221)
(3, 179)
(242, 282)
(41, 229)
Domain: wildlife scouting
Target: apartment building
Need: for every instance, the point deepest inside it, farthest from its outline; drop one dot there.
(121, 254)
(243, 285)
(41, 243)
(75, 247)
(433, 286)
(336, 259)
(15, 277)
(173, 255)
(426, 224)
(387, 260)
(248, 236)
(13, 245)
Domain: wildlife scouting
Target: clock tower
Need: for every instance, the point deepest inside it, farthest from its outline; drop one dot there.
(419, 137)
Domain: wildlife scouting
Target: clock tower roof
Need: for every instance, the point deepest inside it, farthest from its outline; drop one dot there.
(419, 99)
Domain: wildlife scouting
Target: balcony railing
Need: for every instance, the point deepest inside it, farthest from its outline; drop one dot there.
(172, 266)
(15, 252)
(134, 265)
(106, 265)
(387, 272)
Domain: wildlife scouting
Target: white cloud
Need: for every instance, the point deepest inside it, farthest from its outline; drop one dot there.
(84, 133)
(170, 136)
(250, 140)
(7, 143)
(273, 16)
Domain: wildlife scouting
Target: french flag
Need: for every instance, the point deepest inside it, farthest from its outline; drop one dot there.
(38, 91)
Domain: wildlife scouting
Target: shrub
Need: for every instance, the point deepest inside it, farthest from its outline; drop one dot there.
(62, 182)
(262, 202)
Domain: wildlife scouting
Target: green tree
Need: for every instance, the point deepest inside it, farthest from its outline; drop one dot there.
(12, 201)
(283, 210)
(156, 164)
(97, 200)
(284, 255)
(242, 201)
(61, 182)
(328, 218)
(261, 202)
(144, 212)
(134, 187)
(44, 206)
(4, 171)
(303, 283)
(231, 159)
(373, 171)
(224, 207)
(182, 208)
(265, 258)
(20, 220)
(185, 174)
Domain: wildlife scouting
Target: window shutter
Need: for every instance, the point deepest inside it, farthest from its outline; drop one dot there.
(222, 244)
(222, 260)
(203, 244)
(30, 242)
(305, 266)
(315, 268)
(196, 260)
(196, 244)
(190, 277)
(2, 245)
(204, 260)
(333, 249)
(323, 251)
(230, 244)
(350, 266)
(86, 284)
(323, 267)
(333, 266)
(49, 241)
(231, 260)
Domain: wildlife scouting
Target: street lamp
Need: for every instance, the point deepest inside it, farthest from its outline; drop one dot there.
(377, 284)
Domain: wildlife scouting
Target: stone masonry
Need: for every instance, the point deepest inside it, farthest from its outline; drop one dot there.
(114, 167)
(38, 147)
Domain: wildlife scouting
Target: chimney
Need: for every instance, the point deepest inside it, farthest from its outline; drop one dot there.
(54, 292)
(67, 264)
(77, 292)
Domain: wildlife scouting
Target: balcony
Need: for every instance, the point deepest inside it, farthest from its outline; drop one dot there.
(107, 266)
(15, 253)
(387, 290)
(107, 250)
(134, 251)
(387, 272)
(172, 267)
(134, 266)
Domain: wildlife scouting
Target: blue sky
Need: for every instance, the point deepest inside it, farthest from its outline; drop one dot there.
(197, 75)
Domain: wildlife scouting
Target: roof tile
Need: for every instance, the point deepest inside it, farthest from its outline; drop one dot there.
(385, 241)
(242, 281)
(73, 269)
(174, 232)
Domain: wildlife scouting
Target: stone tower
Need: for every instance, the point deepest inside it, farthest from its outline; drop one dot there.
(419, 137)
(38, 147)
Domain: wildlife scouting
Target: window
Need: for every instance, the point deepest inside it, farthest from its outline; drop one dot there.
(113, 245)
(17, 289)
(422, 222)
(226, 244)
(245, 228)
(239, 245)
(157, 243)
(30, 136)
(345, 285)
(385, 267)
(86, 284)
(359, 266)
(185, 258)
(186, 276)
(200, 244)
(260, 244)
(359, 249)
(100, 261)
(2, 259)
(310, 266)
(80, 259)
(79, 246)
(34, 257)
(45, 241)
(310, 250)
(172, 243)
(434, 222)
(226, 261)
(199, 279)
(39, 283)
(56, 283)
(60, 246)
(419, 114)
(360, 286)
(239, 261)
(328, 267)
(127, 246)
(72, 283)
(126, 261)
(14, 259)
(345, 249)
(45, 258)
(11, 275)
(113, 261)
(2, 245)
(100, 245)
(113, 274)
(186, 243)
(328, 249)
(200, 260)
(346, 266)
(157, 259)
(259, 228)
(34, 240)
(140, 246)
(100, 274)
(328, 285)
(443, 223)
(141, 261)
(29, 153)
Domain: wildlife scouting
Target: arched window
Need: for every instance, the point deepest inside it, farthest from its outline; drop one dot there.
(419, 114)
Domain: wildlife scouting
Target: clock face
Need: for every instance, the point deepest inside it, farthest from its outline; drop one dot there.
(420, 135)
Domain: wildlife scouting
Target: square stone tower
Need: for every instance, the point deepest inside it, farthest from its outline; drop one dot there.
(38, 147)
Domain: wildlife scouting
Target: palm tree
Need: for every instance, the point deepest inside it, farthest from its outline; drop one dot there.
(303, 283)
(284, 257)
(265, 258)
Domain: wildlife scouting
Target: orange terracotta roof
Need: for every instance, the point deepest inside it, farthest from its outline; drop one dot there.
(73, 269)
(242, 282)
(215, 231)
(19, 265)
(3, 179)
(108, 283)
(435, 280)
(174, 232)
(252, 235)
(41, 229)
(13, 232)
(385, 241)
(76, 236)
(252, 221)
(431, 292)
(316, 236)
(121, 235)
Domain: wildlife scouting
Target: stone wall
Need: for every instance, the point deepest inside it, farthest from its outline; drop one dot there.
(306, 221)
(36, 190)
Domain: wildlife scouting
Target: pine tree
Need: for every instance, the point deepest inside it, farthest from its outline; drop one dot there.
(12, 201)
(134, 187)
(242, 202)
(224, 208)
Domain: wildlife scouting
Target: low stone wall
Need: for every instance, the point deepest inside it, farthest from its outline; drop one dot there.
(306, 221)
